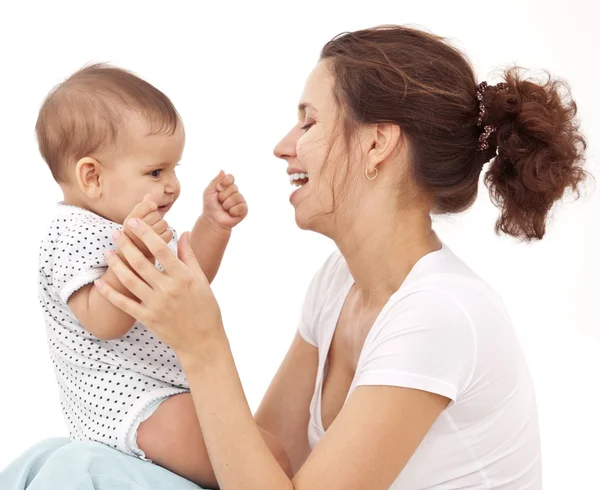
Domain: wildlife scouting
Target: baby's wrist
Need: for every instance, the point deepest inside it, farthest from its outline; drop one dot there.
(214, 224)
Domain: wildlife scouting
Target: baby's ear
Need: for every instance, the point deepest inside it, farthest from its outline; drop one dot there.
(87, 174)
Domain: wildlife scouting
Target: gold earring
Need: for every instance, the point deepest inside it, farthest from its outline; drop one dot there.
(374, 176)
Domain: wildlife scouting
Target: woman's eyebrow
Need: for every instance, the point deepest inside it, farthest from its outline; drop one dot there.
(305, 105)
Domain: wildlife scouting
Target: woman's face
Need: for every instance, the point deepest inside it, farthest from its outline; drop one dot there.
(315, 139)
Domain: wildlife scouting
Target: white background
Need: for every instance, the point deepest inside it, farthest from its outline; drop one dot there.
(235, 72)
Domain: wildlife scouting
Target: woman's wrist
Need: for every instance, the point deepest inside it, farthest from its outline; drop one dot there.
(205, 354)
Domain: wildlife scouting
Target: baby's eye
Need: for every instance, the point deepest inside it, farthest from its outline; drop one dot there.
(155, 173)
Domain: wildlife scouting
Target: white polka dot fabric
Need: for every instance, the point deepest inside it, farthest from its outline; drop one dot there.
(105, 386)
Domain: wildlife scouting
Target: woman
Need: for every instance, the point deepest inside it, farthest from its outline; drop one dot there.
(405, 372)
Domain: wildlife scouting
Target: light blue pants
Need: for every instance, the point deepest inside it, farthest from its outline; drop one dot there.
(59, 464)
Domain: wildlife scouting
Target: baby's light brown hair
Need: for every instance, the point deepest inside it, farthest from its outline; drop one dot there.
(82, 116)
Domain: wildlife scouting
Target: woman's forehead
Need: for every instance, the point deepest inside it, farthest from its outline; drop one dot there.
(317, 94)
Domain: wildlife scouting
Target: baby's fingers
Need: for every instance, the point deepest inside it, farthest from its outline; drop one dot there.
(213, 184)
(143, 209)
(167, 236)
(225, 182)
(160, 227)
(233, 200)
(228, 192)
(152, 218)
(239, 210)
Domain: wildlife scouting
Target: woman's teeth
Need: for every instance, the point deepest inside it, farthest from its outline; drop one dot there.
(298, 179)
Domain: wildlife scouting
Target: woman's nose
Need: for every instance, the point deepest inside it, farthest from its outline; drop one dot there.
(286, 148)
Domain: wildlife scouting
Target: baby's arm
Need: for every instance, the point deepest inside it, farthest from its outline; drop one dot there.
(172, 438)
(98, 316)
(224, 208)
(209, 241)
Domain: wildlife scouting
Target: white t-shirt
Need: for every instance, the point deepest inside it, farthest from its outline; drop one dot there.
(444, 331)
(105, 386)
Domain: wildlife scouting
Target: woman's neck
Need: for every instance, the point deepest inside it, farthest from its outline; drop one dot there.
(380, 254)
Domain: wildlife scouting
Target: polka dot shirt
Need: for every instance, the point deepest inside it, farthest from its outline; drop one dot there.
(104, 386)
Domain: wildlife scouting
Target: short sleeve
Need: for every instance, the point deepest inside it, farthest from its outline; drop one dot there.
(79, 253)
(321, 282)
(423, 341)
(306, 327)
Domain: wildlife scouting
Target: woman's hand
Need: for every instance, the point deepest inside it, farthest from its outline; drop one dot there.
(176, 304)
(147, 211)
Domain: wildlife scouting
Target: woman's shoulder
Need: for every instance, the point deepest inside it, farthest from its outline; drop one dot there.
(332, 274)
(444, 272)
(327, 285)
(443, 293)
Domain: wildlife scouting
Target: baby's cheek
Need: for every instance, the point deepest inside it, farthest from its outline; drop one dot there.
(157, 195)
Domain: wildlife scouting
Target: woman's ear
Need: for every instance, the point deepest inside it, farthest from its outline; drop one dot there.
(88, 175)
(384, 143)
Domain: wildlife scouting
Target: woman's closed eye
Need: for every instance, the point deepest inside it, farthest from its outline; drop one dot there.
(307, 125)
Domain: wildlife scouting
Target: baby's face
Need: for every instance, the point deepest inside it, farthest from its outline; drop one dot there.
(142, 165)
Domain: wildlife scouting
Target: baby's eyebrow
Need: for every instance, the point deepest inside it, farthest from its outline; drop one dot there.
(150, 166)
(157, 164)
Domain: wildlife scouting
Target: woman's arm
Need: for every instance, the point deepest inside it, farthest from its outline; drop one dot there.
(284, 411)
(368, 444)
(371, 440)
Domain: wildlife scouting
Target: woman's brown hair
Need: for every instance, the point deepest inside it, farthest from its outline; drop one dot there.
(404, 76)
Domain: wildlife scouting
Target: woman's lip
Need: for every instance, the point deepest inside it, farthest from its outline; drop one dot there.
(294, 194)
(291, 171)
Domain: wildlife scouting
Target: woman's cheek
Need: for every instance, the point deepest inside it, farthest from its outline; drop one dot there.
(307, 150)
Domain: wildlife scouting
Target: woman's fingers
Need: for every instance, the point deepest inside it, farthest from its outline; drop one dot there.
(122, 302)
(132, 282)
(136, 259)
(159, 249)
(187, 256)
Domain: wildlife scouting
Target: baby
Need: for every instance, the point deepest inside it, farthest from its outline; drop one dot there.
(112, 142)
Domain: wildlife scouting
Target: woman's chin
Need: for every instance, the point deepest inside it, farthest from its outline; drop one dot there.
(311, 222)
(301, 221)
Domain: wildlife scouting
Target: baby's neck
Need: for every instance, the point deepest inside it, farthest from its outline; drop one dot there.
(73, 197)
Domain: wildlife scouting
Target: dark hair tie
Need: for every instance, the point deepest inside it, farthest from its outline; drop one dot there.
(490, 128)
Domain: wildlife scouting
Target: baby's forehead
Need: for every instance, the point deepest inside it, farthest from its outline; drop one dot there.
(134, 124)
(140, 136)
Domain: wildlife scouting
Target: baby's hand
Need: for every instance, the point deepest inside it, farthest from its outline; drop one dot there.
(147, 211)
(223, 202)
